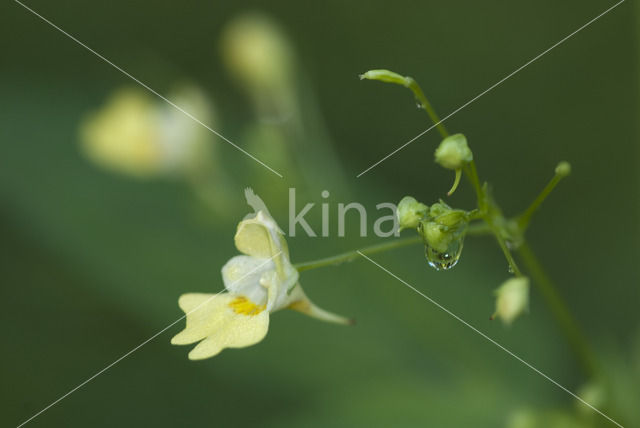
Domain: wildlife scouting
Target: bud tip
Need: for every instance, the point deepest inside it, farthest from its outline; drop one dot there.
(563, 169)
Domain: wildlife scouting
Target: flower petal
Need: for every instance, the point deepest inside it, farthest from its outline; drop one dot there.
(242, 274)
(259, 236)
(236, 331)
(205, 313)
(278, 285)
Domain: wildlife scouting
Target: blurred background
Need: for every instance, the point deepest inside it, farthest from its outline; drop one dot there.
(98, 238)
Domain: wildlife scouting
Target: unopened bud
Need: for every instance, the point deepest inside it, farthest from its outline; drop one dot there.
(410, 212)
(386, 76)
(563, 169)
(512, 299)
(453, 152)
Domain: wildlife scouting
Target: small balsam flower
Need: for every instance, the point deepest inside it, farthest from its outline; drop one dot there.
(136, 135)
(261, 59)
(257, 52)
(453, 152)
(258, 283)
(410, 212)
(512, 299)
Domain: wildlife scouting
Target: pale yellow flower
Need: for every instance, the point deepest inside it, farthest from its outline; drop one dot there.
(257, 52)
(512, 299)
(258, 283)
(139, 135)
(260, 58)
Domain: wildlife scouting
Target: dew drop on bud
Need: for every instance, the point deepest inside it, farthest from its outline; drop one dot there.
(444, 260)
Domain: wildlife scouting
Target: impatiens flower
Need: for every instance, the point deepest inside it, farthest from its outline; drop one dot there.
(258, 283)
(138, 135)
(512, 299)
(257, 52)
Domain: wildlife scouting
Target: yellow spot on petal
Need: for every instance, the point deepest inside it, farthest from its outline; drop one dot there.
(244, 306)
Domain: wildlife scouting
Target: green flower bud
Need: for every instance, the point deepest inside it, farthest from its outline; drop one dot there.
(439, 236)
(453, 219)
(563, 169)
(410, 212)
(443, 234)
(439, 208)
(386, 76)
(453, 152)
(434, 236)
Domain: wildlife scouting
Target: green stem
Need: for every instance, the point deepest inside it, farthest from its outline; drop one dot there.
(426, 105)
(472, 174)
(525, 217)
(352, 255)
(475, 229)
(513, 266)
(478, 229)
(568, 324)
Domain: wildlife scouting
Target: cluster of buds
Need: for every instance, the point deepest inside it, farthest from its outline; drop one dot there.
(441, 227)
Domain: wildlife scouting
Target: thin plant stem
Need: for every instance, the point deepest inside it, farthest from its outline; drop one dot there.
(569, 326)
(472, 175)
(525, 217)
(513, 266)
(352, 255)
(426, 105)
(479, 228)
(476, 229)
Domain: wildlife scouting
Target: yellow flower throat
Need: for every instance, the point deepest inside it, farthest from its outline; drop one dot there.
(244, 306)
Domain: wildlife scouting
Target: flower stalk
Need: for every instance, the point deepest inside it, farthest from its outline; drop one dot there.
(353, 255)
(562, 314)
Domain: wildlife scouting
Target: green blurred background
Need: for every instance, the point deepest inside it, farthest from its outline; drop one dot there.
(93, 262)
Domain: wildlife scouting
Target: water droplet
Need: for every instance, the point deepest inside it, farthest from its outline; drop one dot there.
(419, 104)
(510, 269)
(444, 260)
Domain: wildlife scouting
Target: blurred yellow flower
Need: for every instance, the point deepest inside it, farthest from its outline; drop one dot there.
(257, 52)
(259, 282)
(135, 134)
(512, 299)
(260, 58)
